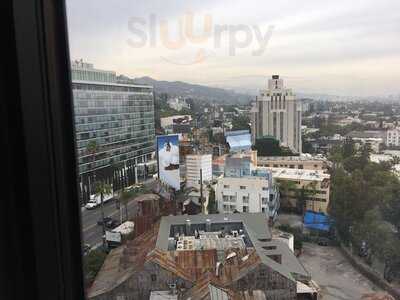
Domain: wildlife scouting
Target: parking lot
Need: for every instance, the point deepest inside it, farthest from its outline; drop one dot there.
(334, 274)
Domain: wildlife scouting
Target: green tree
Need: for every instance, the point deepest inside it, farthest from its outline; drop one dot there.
(286, 190)
(241, 122)
(124, 197)
(307, 192)
(101, 189)
(92, 263)
(348, 149)
(269, 146)
(92, 148)
(380, 239)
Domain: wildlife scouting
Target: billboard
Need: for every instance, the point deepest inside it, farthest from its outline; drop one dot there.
(168, 160)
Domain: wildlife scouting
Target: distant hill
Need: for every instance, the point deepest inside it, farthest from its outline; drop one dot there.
(195, 91)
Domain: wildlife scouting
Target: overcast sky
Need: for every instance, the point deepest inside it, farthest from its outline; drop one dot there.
(335, 47)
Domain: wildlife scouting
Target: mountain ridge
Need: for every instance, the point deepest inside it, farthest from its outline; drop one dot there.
(195, 91)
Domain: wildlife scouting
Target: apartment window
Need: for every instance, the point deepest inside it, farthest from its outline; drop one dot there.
(264, 200)
(225, 198)
(245, 199)
(265, 188)
(245, 209)
(242, 187)
(291, 166)
(153, 277)
(226, 186)
(301, 167)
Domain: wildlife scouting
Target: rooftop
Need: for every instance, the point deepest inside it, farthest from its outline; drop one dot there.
(296, 174)
(171, 225)
(211, 269)
(292, 158)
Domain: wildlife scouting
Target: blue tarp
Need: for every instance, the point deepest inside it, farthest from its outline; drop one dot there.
(318, 221)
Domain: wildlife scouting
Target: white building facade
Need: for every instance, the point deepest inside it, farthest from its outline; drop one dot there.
(246, 194)
(277, 113)
(195, 163)
(393, 137)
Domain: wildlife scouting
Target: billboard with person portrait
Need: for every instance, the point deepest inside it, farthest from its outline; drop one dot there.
(168, 160)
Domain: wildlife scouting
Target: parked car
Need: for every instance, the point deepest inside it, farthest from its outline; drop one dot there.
(111, 224)
(323, 241)
(92, 204)
(105, 220)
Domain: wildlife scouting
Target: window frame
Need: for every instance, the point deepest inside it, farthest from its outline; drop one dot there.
(38, 130)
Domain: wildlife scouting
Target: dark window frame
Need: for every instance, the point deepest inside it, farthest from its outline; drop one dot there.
(41, 205)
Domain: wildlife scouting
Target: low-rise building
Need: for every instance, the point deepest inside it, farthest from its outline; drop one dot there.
(198, 257)
(243, 188)
(247, 194)
(314, 184)
(168, 123)
(304, 161)
(178, 103)
(393, 137)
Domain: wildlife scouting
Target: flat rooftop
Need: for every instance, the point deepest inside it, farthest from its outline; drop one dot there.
(208, 241)
(171, 226)
(291, 158)
(297, 174)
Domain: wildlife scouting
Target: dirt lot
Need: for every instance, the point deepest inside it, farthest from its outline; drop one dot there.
(334, 274)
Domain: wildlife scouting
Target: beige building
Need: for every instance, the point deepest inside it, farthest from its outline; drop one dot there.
(315, 183)
(306, 162)
(277, 113)
(196, 163)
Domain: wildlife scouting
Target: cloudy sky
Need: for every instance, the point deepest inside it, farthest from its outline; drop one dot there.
(337, 47)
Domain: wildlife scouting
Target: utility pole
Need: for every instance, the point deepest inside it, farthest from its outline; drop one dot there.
(201, 190)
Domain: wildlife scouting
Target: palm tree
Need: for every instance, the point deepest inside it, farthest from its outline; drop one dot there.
(91, 148)
(285, 187)
(101, 189)
(124, 197)
(306, 192)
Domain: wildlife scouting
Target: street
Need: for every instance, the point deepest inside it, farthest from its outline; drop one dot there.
(91, 232)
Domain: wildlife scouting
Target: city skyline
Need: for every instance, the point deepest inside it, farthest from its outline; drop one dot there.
(331, 48)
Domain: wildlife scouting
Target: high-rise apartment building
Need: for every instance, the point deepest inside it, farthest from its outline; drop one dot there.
(277, 113)
(116, 114)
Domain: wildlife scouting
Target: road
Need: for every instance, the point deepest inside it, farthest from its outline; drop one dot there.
(336, 277)
(92, 232)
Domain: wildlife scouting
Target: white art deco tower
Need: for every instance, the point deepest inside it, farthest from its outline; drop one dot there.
(277, 113)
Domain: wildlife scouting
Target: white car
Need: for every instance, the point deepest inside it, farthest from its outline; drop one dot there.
(91, 205)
